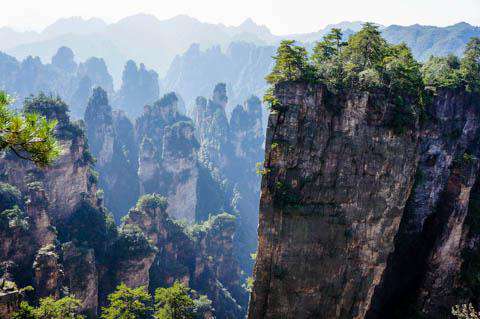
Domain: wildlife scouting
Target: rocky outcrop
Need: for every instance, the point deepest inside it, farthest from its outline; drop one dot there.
(168, 157)
(212, 130)
(247, 139)
(333, 193)
(361, 221)
(110, 142)
(81, 276)
(47, 273)
(433, 227)
(42, 208)
(139, 87)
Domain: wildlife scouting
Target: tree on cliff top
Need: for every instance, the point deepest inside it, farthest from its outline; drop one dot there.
(28, 135)
(470, 65)
(291, 64)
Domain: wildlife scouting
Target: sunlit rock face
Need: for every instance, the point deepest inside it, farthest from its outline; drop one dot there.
(381, 221)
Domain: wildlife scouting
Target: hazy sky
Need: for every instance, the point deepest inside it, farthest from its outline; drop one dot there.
(281, 16)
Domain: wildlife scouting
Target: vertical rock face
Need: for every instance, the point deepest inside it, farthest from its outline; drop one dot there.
(167, 156)
(139, 87)
(247, 138)
(231, 150)
(332, 198)
(433, 227)
(213, 129)
(34, 227)
(110, 142)
(70, 179)
(81, 276)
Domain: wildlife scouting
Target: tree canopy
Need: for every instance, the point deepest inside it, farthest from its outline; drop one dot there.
(175, 302)
(29, 135)
(49, 308)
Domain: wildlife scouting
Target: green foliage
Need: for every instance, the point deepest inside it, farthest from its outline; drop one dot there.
(174, 302)
(151, 201)
(132, 243)
(365, 49)
(52, 107)
(291, 64)
(128, 303)
(14, 218)
(452, 73)
(24, 312)
(442, 72)
(29, 135)
(219, 221)
(49, 308)
(470, 66)
(327, 60)
(249, 284)
(9, 196)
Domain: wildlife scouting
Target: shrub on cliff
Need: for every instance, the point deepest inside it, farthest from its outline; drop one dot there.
(29, 135)
(151, 201)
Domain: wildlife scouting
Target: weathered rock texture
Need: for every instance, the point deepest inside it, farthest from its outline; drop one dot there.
(111, 141)
(230, 150)
(167, 156)
(357, 221)
(433, 229)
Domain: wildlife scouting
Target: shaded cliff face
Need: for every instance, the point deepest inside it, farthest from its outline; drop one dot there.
(139, 87)
(230, 150)
(433, 229)
(44, 208)
(111, 142)
(167, 156)
(336, 184)
(212, 129)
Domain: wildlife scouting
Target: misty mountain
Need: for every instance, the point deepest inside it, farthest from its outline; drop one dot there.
(146, 39)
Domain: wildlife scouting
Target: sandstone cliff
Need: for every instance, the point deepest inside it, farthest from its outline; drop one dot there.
(332, 199)
(358, 220)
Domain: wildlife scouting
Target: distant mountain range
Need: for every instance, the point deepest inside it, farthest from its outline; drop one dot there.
(144, 38)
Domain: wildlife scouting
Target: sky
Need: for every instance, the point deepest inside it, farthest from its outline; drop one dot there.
(281, 16)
